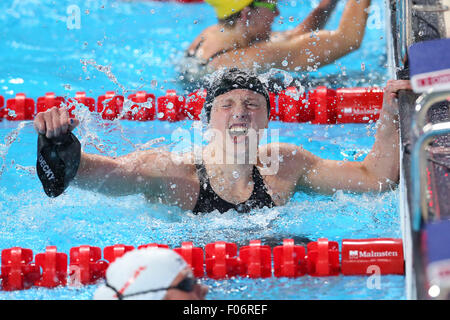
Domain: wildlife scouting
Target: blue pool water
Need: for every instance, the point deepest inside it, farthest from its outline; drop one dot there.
(140, 41)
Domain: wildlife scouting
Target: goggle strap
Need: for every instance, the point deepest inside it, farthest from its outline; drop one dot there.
(121, 296)
(268, 5)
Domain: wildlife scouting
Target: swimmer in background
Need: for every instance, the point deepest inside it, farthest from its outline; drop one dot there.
(237, 109)
(150, 274)
(243, 38)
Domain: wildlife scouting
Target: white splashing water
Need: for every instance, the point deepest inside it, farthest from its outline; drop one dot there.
(9, 140)
(106, 70)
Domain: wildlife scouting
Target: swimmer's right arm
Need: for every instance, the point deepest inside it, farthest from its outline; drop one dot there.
(137, 172)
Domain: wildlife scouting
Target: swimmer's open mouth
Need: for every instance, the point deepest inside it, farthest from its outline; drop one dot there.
(238, 129)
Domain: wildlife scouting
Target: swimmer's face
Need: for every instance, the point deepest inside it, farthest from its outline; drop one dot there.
(235, 112)
(198, 293)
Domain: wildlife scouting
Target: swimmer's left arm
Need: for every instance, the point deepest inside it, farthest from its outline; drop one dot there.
(291, 53)
(317, 19)
(380, 169)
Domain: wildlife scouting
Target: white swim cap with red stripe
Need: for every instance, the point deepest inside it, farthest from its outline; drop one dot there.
(141, 270)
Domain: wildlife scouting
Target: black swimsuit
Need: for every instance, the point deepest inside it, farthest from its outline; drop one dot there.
(205, 62)
(209, 201)
(193, 70)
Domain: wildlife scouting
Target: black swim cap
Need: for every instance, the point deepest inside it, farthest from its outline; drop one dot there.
(57, 162)
(232, 79)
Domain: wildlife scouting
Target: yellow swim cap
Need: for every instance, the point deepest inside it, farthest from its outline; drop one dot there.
(225, 8)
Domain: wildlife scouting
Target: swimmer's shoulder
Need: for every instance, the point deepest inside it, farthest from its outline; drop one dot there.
(293, 160)
(282, 148)
(283, 169)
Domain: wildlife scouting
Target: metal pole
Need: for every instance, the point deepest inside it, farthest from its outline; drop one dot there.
(418, 166)
(423, 104)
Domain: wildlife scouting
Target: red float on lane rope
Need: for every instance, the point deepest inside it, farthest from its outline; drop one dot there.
(145, 110)
(358, 105)
(111, 253)
(170, 106)
(85, 265)
(220, 260)
(323, 258)
(2, 102)
(110, 105)
(20, 108)
(292, 106)
(194, 104)
(324, 106)
(323, 102)
(54, 268)
(193, 257)
(289, 260)
(255, 260)
(48, 101)
(273, 107)
(80, 97)
(17, 271)
(359, 255)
